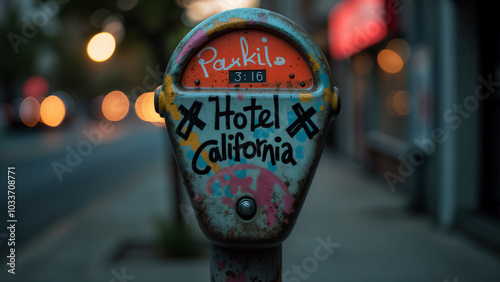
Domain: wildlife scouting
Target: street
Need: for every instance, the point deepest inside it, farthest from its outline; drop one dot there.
(45, 194)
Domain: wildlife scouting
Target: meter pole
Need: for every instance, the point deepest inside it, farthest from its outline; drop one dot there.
(253, 264)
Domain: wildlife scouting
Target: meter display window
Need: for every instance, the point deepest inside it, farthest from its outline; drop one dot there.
(247, 59)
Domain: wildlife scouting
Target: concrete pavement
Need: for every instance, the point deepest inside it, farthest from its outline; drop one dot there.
(374, 238)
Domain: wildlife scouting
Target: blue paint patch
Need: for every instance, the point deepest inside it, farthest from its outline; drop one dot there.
(200, 162)
(227, 193)
(324, 77)
(241, 173)
(299, 152)
(272, 167)
(217, 189)
(227, 177)
(291, 116)
(301, 136)
(260, 133)
(316, 107)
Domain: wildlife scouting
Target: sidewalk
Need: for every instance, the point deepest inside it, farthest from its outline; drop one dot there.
(378, 240)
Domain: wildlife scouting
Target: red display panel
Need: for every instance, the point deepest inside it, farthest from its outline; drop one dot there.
(247, 59)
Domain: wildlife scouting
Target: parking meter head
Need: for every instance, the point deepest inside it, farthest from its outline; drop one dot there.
(247, 99)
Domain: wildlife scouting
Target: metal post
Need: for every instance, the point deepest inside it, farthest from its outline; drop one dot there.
(228, 264)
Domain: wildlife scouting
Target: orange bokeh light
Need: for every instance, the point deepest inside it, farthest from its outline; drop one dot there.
(29, 111)
(52, 111)
(115, 106)
(145, 109)
(401, 102)
(138, 107)
(101, 47)
(390, 61)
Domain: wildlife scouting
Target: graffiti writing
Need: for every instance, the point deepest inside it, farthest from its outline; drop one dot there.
(232, 143)
(245, 59)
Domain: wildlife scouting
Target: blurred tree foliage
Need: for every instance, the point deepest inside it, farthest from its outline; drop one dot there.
(57, 50)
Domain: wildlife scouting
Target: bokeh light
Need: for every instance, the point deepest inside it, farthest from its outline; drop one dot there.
(115, 106)
(138, 107)
(401, 47)
(29, 111)
(69, 102)
(401, 102)
(145, 109)
(52, 111)
(198, 10)
(398, 103)
(98, 16)
(115, 28)
(35, 86)
(101, 47)
(390, 61)
(126, 5)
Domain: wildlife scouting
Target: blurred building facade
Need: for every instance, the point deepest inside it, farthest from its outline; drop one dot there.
(427, 127)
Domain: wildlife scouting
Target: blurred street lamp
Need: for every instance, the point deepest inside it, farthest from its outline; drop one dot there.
(145, 110)
(401, 47)
(101, 47)
(198, 10)
(390, 61)
(52, 111)
(115, 106)
(29, 111)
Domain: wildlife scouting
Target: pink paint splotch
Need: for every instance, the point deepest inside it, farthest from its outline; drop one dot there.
(262, 18)
(198, 38)
(197, 198)
(221, 264)
(265, 182)
(239, 278)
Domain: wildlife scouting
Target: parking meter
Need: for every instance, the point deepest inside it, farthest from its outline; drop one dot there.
(247, 99)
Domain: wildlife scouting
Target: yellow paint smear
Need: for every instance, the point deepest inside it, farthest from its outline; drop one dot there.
(194, 143)
(305, 97)
(315, 64)
(167, 98)
(231, 23)
(331, 98)
(167, 101)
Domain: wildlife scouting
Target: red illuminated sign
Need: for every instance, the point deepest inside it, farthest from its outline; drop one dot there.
(247, 59)
(354, 25)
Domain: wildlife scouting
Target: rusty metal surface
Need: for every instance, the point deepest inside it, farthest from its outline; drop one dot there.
(262, 144)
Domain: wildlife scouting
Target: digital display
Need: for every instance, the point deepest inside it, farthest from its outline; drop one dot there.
(247, 76)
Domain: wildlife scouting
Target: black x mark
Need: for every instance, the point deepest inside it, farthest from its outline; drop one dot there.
(303, 121)
(190, 115)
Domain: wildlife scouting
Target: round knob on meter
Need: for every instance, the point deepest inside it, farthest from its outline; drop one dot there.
(246, 208)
